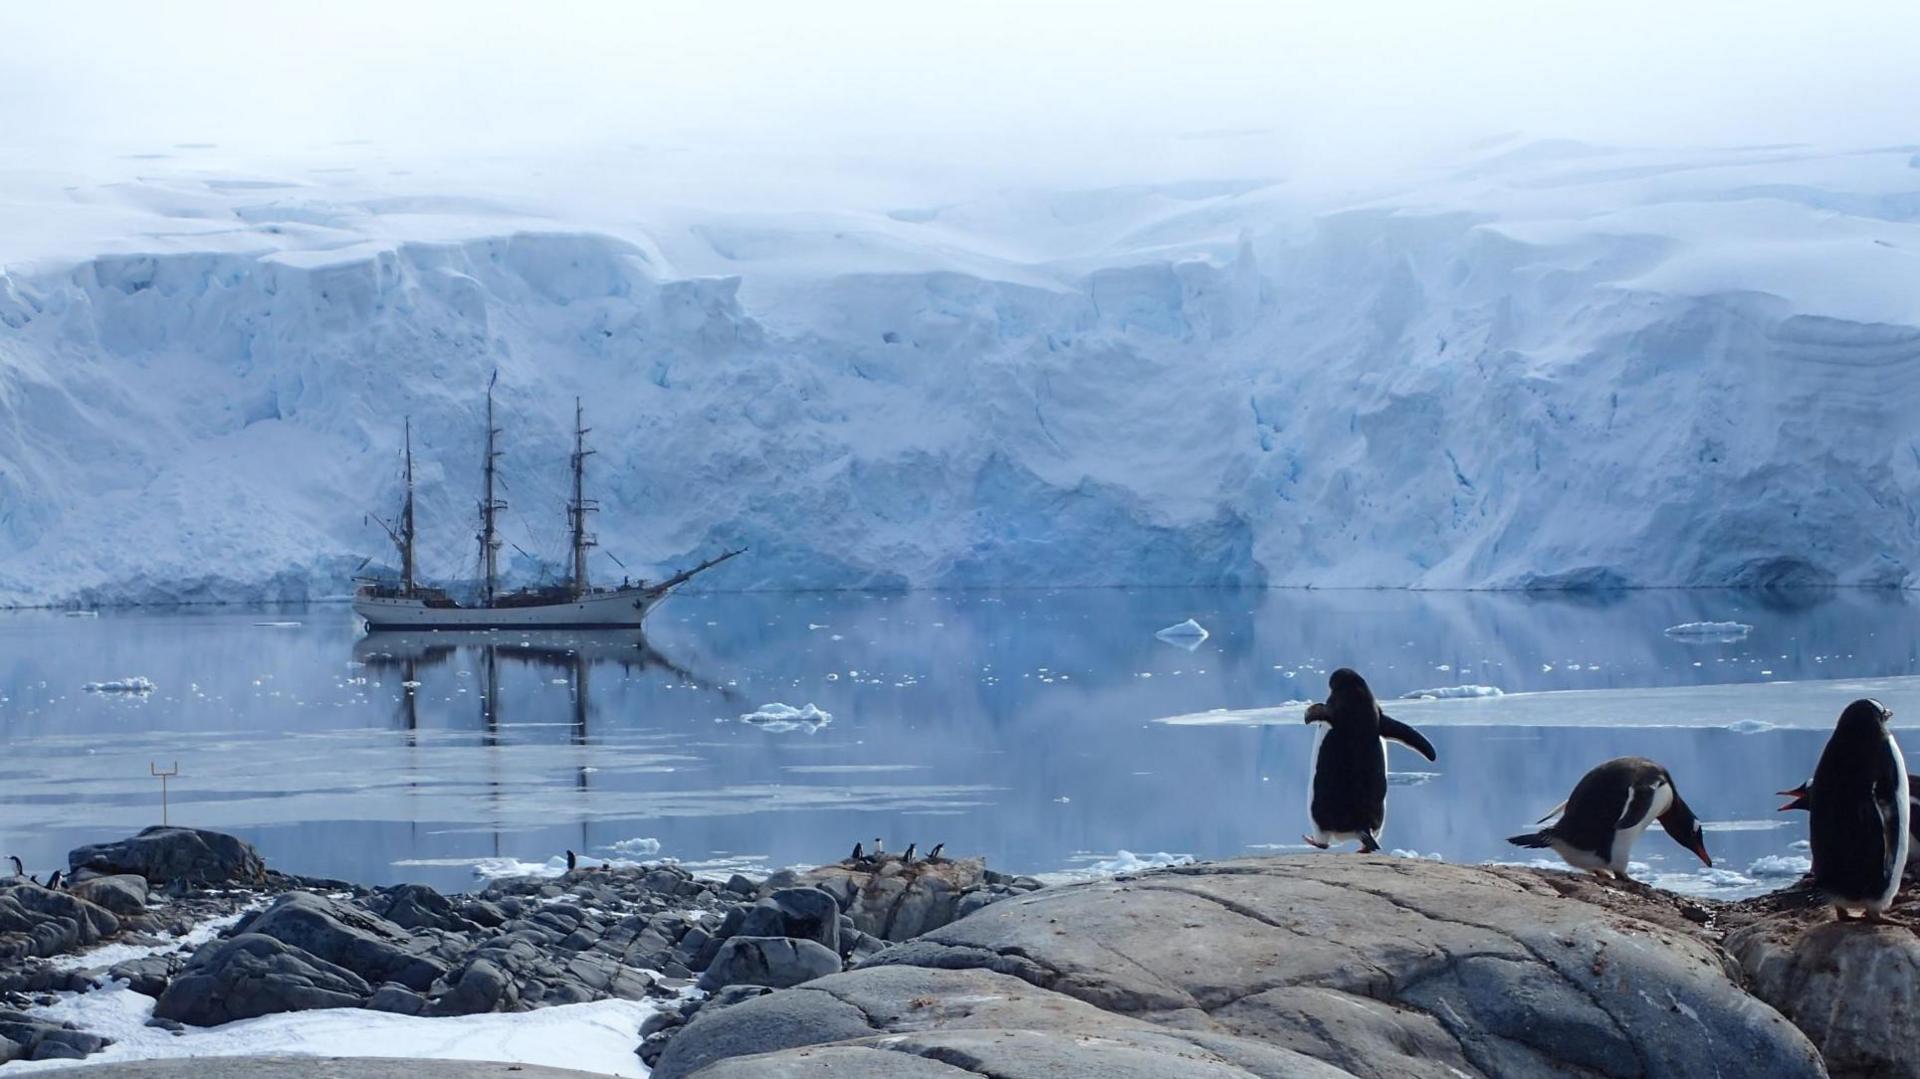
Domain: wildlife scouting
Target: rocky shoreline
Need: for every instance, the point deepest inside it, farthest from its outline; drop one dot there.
(1281, 966)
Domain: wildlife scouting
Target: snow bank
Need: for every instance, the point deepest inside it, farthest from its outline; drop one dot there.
(597, 1037)
(1686, 368)
(136, 684)
(1096, 866)
(1709, 631)
(781, 718)
(1451, 692)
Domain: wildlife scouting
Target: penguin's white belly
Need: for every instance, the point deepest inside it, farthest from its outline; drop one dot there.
(1625, 838)
(1903, 810)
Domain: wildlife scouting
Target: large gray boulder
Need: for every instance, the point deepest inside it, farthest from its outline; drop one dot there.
(946, 1014)
(122, 893)
(800, 913)
(898, 900)
(346, 936)
(251, 975)
(777, 962)
(163, 855)
(1850, 986)
(1372, 966)
(24, 1037)
(36, 921)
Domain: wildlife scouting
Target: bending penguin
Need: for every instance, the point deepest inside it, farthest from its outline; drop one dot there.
(1608, 809)
(1860, 814)
(1350, 763)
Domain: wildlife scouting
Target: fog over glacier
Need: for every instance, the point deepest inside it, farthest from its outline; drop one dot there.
(1095, 295)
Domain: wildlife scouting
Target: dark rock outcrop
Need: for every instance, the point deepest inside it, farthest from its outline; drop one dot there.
(251, 975)
(122, 893)
(166, 855)
(23, 1037)
(347, 936)
(1360, 966)
(777, 962)
(896, 900)
(37, 922)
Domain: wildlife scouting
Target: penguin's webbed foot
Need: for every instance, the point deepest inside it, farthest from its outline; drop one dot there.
(1368, 844)
(1312, 842)
(1880, 917)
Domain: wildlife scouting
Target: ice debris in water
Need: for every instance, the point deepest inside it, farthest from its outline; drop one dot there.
(1709, 632)
(1749, 726)
(1449, 692)
(638, 845)
(1781, 865)
(1187, 635)
(136, 684)
(1410, 779)
(785, 717)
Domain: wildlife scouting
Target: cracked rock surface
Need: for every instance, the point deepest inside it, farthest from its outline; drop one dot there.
(1290, 966)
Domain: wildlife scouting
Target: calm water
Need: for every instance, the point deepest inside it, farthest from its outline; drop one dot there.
(1020, 725)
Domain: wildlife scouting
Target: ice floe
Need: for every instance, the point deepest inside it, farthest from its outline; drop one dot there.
(780, 718)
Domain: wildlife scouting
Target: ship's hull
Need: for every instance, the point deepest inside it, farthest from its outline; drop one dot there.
(620, 609)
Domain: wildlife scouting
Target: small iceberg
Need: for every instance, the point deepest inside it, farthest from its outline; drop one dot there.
(1781, 865)
(1443, 693)
(1749, 726)
(135, 684)
(1709, 632)
(638, 845)
(277, 625)
(1187, 635)
(780, 718)
(1411, 779)
(83, 614)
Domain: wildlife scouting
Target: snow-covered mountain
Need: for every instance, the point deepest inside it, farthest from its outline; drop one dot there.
(1550, 365)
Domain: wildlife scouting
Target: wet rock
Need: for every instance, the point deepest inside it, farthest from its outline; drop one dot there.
(344, 935)
(1850, 986)
(771, 961)
(165, 855)
(1365, 966)
(251, 975)
(37, 922)
(122, 893)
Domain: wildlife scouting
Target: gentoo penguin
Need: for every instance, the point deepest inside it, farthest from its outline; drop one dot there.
(573, 861)
(53, 882)
(1607, 811)
(1801, 798)
(1350, 763)
(19, 869)
(1860, 814)
(934, 854)
(859, 853)
(908, 856)
(879, 850)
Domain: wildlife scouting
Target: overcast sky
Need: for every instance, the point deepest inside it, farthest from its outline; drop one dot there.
(1051, 88)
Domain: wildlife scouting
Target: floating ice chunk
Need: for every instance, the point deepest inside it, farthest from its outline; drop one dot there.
(1749, 726)
(1122, 861)
(408, 684)
(1709, 632)
(1450, 692)
(1781, 865)
(1410, 779)
(136, 684)
(277, 625)
(637, 845)
(1187, 635)
(781, 718)
(83, 614)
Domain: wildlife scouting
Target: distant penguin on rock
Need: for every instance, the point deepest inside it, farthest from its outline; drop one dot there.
(19, 868)
(1350, 763)
(1608, 809)
(859, 853)
(908, 856)
(934, 854)
(573, 861)
(1861, 814)
(53, 882)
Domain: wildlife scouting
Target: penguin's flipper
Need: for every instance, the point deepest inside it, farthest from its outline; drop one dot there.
(1535, 840)
(1317, 713)
(1394, 730)
(1886, 797)
(1639, 804)
(1554, 812)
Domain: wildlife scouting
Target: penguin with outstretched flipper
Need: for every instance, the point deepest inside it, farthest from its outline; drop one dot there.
(1350, 763)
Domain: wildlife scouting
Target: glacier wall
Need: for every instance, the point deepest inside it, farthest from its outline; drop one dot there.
(1417, 393)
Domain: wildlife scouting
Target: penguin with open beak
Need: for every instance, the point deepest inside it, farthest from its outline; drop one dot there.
(1862, 814)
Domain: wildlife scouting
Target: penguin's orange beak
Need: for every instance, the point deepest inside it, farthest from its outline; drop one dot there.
(1701, 850)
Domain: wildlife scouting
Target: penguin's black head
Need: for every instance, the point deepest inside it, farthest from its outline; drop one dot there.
(1864, 718)
(1685, 829)
(1346, 680)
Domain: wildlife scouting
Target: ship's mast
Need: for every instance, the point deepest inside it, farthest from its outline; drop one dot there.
(578, 509)
(406, 522)
(489, 505)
